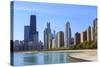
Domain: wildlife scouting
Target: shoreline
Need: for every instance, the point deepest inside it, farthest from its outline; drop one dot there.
(81, 55)
(89, 55)
(79, 50)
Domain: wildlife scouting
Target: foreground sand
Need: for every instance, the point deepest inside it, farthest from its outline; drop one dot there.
(89, 55)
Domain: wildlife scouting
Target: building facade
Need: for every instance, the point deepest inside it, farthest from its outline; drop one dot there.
(47, 37)
(33, 34)
(32, 27)
(60, 39)
(26, 36)
(83, 36)
(89, 34)
(77, 38)
(67, 35)
(54, 43)
(95, 29)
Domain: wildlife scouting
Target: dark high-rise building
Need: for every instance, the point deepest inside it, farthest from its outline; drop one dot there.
(45, 38)
(26, 37)
(72, 41)
(95, 24)
(85, 35)
(77, 38)
(32, 27)
(26, 33)
(95, 29)
(33, 34)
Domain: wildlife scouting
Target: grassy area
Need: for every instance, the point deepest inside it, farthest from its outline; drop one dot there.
(82, 46)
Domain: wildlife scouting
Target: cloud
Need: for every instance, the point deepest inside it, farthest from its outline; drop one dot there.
(24, 8)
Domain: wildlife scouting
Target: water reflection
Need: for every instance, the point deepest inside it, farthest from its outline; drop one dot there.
(40, 58)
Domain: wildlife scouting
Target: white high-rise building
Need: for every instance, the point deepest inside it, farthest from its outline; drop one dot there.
(60, 39)
(89, 33)
(54, 43)
(67, 35)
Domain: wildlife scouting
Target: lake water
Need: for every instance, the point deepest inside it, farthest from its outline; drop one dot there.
(38, 58)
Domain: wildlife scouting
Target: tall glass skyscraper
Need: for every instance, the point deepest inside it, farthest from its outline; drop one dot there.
(26, 33)
(32, 27)
(47, 36)
(26, 36)
(67, 35)
(33, 34)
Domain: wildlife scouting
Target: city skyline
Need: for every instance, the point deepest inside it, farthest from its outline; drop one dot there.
(53, 33)
(57, 23)
(52, 40)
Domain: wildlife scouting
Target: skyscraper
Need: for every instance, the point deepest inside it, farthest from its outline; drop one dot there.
(92, 33)
(83, 36)
(50, 41)
(47, 36)
(89, 34)
(67, 35)
(26, 36)
(32, 27)
(54, 34)
(33, 34)
(60, 39)
(26, 33)
(95, 29)
(54, 43)
(77, 38)
(72, 41)
(54, 40)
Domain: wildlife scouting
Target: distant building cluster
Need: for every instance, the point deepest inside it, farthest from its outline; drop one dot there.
(53, 40)
(65, 40)
(90, 34)
(31, 40)
(57, 40)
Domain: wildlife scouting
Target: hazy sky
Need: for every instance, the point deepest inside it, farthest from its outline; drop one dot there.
(79, 16)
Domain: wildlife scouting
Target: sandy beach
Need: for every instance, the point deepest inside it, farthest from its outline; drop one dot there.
(89, 55)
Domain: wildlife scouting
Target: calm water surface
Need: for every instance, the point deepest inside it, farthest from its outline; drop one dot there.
(41, 58)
